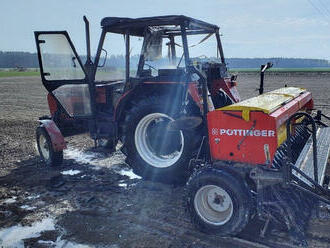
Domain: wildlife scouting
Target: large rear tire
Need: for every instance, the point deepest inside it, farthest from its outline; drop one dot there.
(154, 152)
(46, 150)
(218, 202)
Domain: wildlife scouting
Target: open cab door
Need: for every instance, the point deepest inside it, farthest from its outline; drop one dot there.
(63, 73)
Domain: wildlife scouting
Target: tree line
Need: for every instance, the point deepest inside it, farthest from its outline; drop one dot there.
(30, 60)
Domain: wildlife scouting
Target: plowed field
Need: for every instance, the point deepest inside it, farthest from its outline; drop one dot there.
(94, 200)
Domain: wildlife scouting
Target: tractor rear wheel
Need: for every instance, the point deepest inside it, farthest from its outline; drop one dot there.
(154, 152)
(218, 202)
(46, 150)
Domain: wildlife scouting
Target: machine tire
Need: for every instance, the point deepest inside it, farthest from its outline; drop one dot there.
(210, 218)
(140, 158)
(45, 149)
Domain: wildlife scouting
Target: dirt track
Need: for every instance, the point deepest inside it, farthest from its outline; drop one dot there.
(100, 205)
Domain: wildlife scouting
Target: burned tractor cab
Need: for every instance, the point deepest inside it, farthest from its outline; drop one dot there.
(160, 87)
(170, 45)
(134, 99)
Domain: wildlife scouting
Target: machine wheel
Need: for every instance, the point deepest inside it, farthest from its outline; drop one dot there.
(218, 202)
(45, 148)
(152, 151)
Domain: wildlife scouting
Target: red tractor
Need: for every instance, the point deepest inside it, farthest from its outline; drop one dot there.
(136, 110)
(182, 116)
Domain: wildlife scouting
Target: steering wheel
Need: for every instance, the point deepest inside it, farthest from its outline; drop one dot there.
(151, 67)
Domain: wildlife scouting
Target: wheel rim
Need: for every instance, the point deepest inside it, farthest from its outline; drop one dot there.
(213, 205)
(44, 147)
(144, 140)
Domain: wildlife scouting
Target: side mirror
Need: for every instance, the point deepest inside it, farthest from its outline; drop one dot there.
(105, 58)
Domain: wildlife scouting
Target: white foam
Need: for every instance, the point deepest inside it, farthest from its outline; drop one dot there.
(67, 244)
(129, 173)
(31, 197)
(10, 200)
(124, 185)
(94, 158)
(27, 207)
(70, 172)
(36, 148)
(49, 242)
(79, 156)
(13, 236)
(98, 161)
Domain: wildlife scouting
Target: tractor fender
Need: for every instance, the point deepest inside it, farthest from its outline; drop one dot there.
(122, 102)
(222, 171)
(54, 134)
(144, 89)
(239, 172)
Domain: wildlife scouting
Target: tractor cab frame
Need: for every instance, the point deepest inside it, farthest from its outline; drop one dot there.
(80, 103)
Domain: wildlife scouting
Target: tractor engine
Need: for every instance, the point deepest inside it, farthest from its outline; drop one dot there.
(222, 88)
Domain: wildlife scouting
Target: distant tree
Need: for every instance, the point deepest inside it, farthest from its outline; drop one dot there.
(30, 60)
(278, 62)
(18, 59)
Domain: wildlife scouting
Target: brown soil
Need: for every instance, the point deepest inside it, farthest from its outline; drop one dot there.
(93, 207)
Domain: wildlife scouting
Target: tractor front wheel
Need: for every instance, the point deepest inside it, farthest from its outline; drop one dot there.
(46, 150)
(219, 202)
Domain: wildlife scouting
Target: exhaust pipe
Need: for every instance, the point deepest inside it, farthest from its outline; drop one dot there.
(263, 68)
(88, 42)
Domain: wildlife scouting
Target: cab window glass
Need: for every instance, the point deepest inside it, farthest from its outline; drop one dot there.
(58, 59)
(114, 64)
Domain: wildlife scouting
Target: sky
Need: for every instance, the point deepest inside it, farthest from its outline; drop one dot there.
(249, 28)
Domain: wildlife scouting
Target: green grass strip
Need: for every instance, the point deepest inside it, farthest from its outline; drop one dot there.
(321, 69)
(19, 73)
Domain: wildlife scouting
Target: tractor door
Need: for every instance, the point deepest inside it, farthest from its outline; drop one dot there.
(63, 74)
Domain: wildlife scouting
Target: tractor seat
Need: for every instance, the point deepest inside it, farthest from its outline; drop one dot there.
(171, 75)
(221, 99)
(171, 72)
(146, 73)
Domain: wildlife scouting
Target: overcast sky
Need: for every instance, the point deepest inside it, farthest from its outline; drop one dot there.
(250, 28)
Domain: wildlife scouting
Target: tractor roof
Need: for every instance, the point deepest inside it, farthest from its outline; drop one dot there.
(170, 25)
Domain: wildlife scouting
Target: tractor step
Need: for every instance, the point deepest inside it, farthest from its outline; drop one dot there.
(305, 159)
